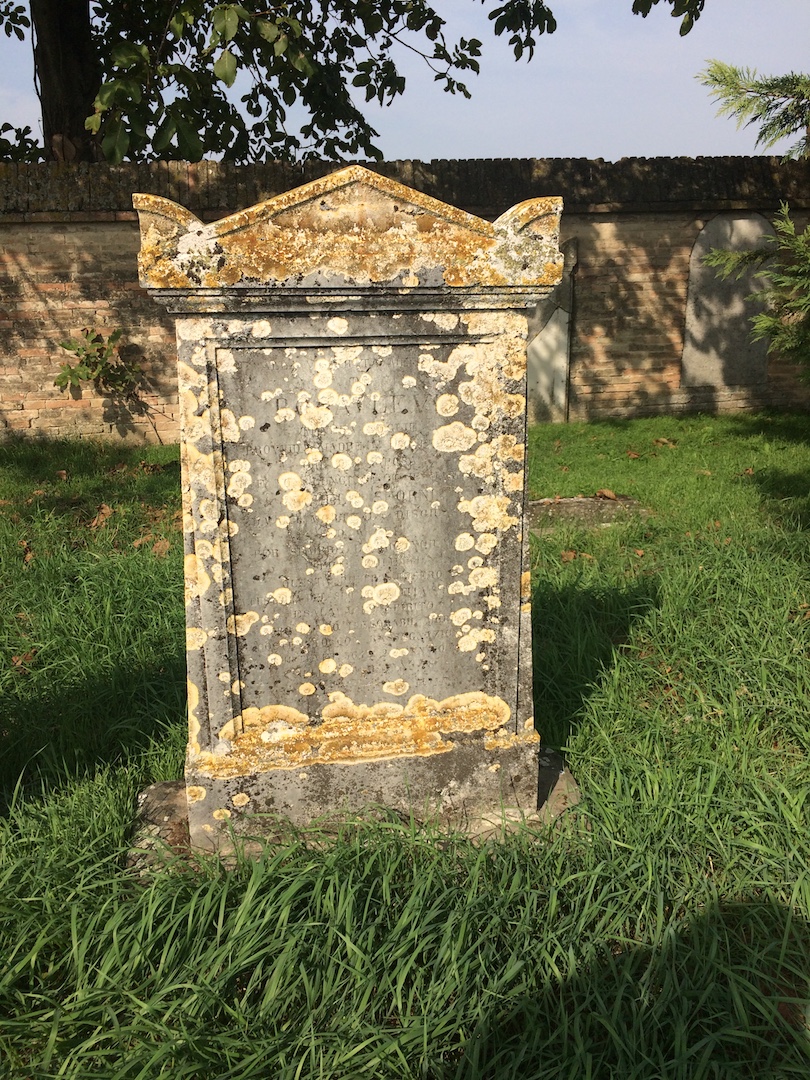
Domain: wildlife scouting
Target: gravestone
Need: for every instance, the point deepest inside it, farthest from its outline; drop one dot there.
(352, 372)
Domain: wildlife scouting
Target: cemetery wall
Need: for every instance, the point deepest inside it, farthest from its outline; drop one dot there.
(69, 243)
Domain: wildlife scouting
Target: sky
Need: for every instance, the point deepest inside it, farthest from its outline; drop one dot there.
(606, 84)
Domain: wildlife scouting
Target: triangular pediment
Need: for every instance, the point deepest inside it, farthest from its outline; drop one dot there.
(352, 227)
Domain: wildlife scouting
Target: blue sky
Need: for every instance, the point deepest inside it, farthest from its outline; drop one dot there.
(607, 84)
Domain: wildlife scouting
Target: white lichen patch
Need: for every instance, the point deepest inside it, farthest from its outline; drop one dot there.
(479, 464)
(284, 415)
(303, 628)
(513, 481)
(295, 501)
(464, 541)
(328, 666)
(375, 427)
(396, 687)
(486, 543)
(471, 641)
(240, 624)
(228, 426)
(240, 799)
(342, 462)
(281, 595)
(307, 689)
(337, 569)
(400, 440)
(379, 507)
(369, 562)
(408, 381)
(453, 438)
(326, 514)
(274, 660)
(197, 581)
(266, 630)
(379, 539)
(460, 616)
(447, 404)
(345, 670)
(338, 325)
(261, 328)
(489, 512)
(374, 457)
(325, 629)
(484, 577)
(282, 522)
(195, 638)
(402, 543)
(353, 521)
(312, 455)
(354, 499)
(315, 417)
(386, 593)
(247, 422)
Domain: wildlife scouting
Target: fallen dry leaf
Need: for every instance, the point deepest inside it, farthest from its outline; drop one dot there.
(664, 442)
(22, 663)
(638, 551)
(160, 548)
(61, 474)
(747, 472)
(704, 472)
(100, 519)
(568, 556)
(28, 553)
(633, 455)
(606, 493)
(142, 540)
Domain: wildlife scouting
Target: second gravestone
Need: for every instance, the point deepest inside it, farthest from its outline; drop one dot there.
(352, 368)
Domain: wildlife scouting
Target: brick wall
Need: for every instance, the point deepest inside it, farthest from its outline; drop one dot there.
(69, 241)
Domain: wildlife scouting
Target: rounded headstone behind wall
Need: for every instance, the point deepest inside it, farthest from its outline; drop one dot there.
(718, 350)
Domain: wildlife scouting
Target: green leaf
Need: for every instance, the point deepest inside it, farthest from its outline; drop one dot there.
(164, 134)
(268, 30)
(302, 63)
(188, 140)
(225, 67)
(115, 143)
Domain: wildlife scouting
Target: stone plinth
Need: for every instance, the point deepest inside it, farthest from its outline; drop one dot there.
(352, 367)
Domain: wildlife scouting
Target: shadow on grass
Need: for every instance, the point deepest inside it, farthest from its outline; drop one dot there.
(575, 630)
(51, 739)
(726, 996)
(71, 476)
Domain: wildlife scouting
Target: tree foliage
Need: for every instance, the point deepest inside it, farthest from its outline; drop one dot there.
(778, 104)
(254, 80)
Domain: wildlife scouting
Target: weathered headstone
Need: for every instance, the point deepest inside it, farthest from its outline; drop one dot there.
(352, 366)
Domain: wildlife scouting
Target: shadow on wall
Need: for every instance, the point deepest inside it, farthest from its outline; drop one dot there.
(57, 280)
(653, 329)
(574, 634)
(723, 995)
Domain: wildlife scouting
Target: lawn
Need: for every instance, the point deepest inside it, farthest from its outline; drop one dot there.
(659, 930)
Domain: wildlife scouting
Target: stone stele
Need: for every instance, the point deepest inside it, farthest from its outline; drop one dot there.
(352, 371)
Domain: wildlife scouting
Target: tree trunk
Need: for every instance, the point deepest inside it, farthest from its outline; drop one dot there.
(68, 75)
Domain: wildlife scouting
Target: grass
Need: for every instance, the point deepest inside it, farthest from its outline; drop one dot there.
(661, 930)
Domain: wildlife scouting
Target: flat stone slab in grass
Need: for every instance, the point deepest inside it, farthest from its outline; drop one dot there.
(597, 511)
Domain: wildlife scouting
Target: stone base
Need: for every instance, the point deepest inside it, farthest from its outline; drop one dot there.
(456, 788)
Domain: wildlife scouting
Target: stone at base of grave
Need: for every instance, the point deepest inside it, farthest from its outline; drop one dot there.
(471, 776)
(352, 368)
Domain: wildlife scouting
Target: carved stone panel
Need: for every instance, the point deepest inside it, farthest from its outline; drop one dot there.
(353, 465)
